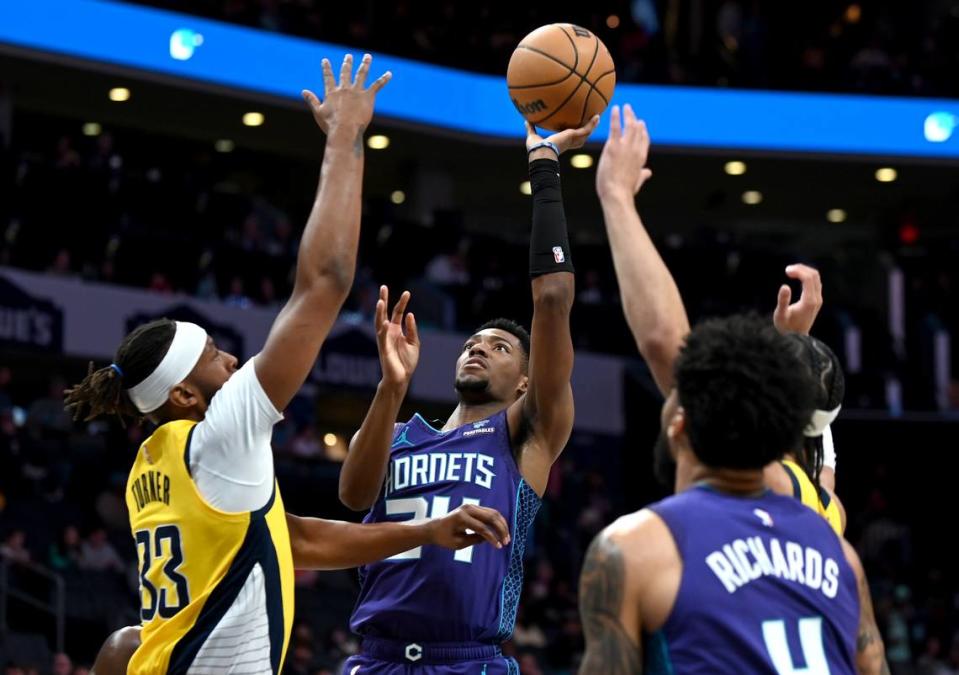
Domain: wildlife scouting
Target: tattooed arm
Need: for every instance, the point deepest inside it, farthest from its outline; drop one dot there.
(612, 648)
(870, 653)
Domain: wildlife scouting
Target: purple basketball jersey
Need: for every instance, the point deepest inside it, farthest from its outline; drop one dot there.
(765, 588)
(431, 594)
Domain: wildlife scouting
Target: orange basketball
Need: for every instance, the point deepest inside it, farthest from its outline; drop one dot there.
(560, 76)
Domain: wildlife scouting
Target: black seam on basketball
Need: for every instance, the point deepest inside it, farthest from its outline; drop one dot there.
(560, 106)
(550, 57)
(542, 84)
(596, 81)
(572, 43)
(591, 87)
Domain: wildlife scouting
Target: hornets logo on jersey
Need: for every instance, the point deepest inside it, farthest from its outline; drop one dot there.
(216, 588)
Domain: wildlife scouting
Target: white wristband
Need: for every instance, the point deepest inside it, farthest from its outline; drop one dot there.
(828, 449)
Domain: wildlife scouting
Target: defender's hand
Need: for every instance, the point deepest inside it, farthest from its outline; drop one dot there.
(622, 164)
(469, 525)
(399, 349)
(346, 103)
(800, 316)
(568, 139)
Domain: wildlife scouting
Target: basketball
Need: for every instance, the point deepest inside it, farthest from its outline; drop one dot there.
(561, 75)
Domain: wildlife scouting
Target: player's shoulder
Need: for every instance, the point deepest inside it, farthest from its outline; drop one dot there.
(643, 537)
(170, 433)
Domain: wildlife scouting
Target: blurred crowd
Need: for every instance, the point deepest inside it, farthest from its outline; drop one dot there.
(856, 45)
(62, 508)
(172, 216)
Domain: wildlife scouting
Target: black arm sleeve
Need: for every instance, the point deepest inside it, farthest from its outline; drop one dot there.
(549, 241)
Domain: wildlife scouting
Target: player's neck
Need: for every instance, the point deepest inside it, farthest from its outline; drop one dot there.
(738, 482)
(472, 412)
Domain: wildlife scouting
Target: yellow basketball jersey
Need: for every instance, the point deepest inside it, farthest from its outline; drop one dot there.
(813, 496)
(216, 588)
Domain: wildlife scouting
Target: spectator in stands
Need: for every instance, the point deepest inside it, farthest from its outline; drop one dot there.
(307, 444)
(14, 547)
(66, 553)
(301, 660)
(13, 669)
(450, 269)
(592, 292)
(6, 375)
(46, 415)
(160, 283)
(931, 663)
(237, 297)
(61, 265)
(62, 664)
(207, 287)
(97, 553)
(529, 665)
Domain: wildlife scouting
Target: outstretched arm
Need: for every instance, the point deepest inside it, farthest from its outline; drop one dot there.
(542, 420)
(327, 256)
(332, 545)
(651, 301)
(364, 470)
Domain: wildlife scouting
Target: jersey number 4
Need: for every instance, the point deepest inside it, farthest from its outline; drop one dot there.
(162, 544)
(810, 638)
(418, 509)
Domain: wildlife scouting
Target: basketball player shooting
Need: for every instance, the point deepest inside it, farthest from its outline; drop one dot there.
(726, 576)
(216, 550)
(656, 316)
(449, 613)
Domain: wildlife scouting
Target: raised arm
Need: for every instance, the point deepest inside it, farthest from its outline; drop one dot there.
(364, 470)
(542, 420)
(332, 545)
(327, 256)
(651, 301)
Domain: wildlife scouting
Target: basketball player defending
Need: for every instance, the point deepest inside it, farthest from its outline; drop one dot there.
(726, 576)
(657, 318)
(214, 545)
(428, 608)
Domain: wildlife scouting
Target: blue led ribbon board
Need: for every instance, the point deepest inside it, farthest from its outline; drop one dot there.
(183, 46)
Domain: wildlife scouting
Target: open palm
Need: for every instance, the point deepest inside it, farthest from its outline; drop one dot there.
(399, 348)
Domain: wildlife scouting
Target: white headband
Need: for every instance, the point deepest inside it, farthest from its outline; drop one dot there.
(188, 344)
(820, 420)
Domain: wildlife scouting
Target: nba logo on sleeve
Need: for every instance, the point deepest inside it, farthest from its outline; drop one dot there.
(558, 254)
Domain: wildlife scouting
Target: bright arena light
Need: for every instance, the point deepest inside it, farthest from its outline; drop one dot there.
(581, 161)
(735, 168)
(329, 440)
(253, 119)
(752, 197)
(92, 129)
(836, 215)
(398, 197)
(886, 174)
(526, 188)
(378, 142)
(119, 94)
